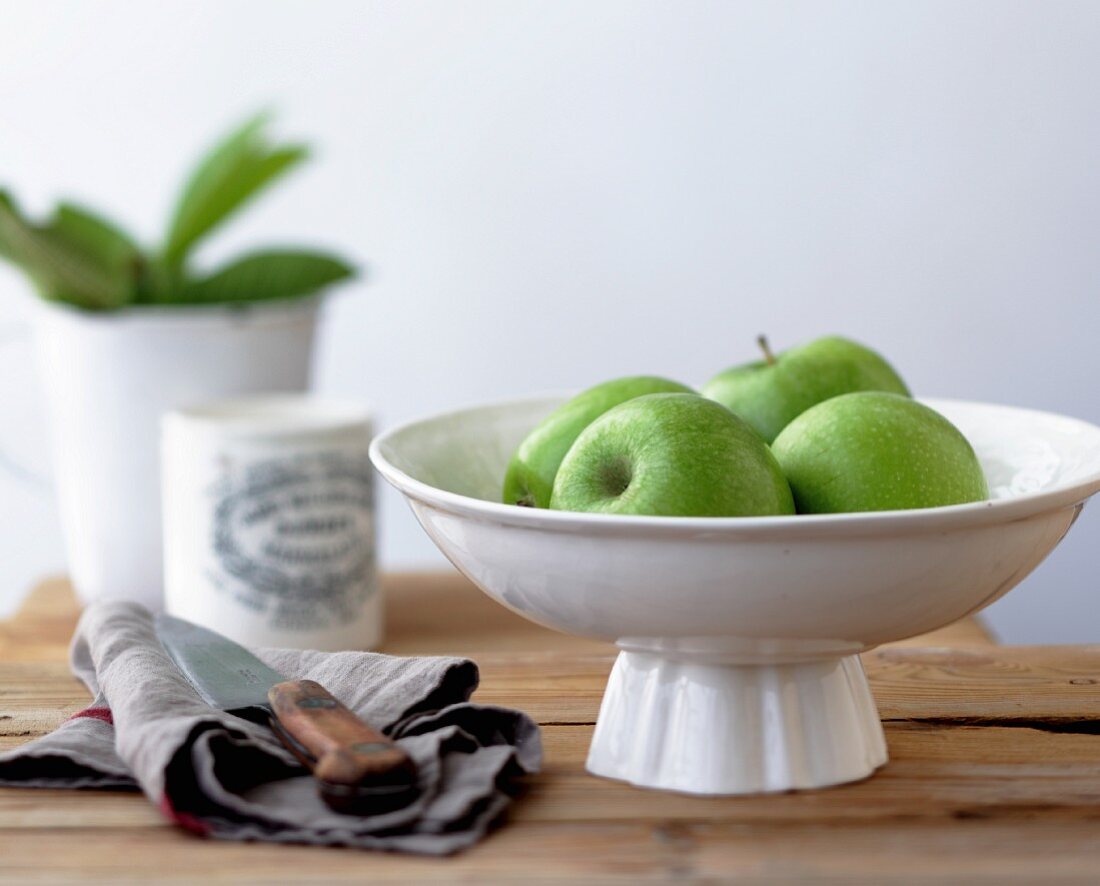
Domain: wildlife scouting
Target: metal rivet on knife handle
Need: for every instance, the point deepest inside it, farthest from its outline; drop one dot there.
(347, 752)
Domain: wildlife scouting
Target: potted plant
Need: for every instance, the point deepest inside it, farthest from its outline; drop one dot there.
(124, 334)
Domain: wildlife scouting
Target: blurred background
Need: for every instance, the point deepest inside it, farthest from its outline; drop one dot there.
(550, 194)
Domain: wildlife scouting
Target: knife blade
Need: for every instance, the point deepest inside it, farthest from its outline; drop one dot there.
(358, 769)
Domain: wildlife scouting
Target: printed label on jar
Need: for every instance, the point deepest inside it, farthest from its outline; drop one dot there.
(294, 538)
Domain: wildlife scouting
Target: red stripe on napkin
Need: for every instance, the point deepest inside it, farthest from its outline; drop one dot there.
(103, 714)
(184, 819)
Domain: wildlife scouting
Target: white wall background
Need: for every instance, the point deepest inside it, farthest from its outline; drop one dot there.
(550, 194)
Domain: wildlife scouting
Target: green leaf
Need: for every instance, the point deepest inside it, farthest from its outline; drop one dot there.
(95, 236)
(268, 275)
(234, 172)
(76, 257)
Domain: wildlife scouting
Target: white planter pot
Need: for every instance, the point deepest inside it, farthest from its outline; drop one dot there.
(108, 378)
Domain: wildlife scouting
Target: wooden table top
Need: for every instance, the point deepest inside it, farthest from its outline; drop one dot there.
(994, 773)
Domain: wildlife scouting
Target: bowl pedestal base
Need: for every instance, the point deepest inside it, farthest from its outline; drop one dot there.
(705, 727)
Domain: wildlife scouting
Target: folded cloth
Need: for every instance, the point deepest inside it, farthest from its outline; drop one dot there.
(226, 778)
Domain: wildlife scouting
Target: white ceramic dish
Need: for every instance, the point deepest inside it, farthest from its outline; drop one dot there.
(739, 670)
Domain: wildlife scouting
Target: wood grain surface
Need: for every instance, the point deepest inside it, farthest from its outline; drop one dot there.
(994, 773)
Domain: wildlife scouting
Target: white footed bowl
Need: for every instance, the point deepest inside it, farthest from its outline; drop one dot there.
(739, 671)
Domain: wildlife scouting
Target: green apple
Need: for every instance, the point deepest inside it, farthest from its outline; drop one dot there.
(671, 455)
(530, 477)
(872, 451)
(770, 393)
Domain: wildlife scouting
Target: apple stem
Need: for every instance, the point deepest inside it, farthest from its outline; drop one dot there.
(769, 357)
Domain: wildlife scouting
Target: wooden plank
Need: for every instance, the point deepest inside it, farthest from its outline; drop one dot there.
(1048, 683)
(547, 854)
(1040, 685)
(41, 628)
(426, 614)
(996, 682)
(994, 773)
(939, 767)
(690, 852)
(935, 773)
(892, 853)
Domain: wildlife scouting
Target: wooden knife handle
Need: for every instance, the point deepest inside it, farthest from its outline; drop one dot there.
(359, 769)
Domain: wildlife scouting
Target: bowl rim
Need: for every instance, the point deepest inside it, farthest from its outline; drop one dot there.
(798, 525)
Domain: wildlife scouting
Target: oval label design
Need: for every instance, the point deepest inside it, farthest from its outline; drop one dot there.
(297, 535)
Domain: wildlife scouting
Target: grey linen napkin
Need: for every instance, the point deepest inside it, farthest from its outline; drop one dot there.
(226, 778)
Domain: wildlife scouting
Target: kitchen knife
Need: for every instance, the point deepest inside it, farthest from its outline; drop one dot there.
(358, 770)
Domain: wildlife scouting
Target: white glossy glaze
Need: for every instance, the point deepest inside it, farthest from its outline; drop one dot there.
(719, 729)
(108, 377)
(751, 607)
